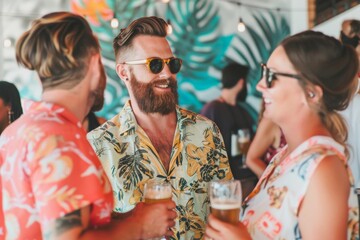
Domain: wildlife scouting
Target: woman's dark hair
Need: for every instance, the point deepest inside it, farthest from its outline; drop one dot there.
(325, 62)
(11, 97)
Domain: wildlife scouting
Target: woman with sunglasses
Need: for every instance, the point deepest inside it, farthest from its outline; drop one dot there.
(306, 192)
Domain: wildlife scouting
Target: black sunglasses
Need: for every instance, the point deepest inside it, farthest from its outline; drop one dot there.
(270, 76)
(156, 65)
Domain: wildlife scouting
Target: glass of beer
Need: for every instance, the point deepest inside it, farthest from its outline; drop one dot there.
(157, 191)
(244, 144)
(225, 200)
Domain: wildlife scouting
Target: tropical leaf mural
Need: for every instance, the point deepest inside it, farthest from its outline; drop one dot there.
(198, 40)
(204, 36)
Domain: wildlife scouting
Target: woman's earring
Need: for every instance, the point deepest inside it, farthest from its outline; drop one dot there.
(311, 94)
(10, 114)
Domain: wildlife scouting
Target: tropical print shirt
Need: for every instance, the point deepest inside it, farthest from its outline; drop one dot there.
(130, 160)
(271, 210)
(48, 170)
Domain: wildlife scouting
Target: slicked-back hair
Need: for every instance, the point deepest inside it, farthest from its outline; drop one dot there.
(58, 46)
(151, 26)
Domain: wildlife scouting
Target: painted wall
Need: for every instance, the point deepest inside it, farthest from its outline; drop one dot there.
(205, 37)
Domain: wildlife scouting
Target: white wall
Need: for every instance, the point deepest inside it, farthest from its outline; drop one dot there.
(298, 15)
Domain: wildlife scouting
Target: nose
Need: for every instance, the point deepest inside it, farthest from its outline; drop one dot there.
(261, 86)
(165, 72)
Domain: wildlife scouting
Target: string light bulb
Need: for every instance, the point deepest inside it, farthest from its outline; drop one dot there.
(8, 42)
(241, 26)
(169, 28)
(165, 1)
(114, 23)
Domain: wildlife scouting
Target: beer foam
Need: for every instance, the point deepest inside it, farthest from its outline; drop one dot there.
(157, 194)
(225, 204)
(244, 139)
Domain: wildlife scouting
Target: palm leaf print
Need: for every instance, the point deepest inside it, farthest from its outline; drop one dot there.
(133, 169)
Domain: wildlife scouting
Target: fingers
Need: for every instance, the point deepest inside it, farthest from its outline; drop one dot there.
(169, 233)
(172, 214)
(214, 222)
(211, 233)
(170, 204)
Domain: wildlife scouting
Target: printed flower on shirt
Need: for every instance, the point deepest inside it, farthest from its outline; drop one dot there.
(189, 221)
(276, 196)
(207, 160)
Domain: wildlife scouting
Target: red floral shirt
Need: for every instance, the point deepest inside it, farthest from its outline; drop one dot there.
(48, 170)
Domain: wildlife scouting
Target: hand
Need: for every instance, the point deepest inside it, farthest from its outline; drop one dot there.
(219, 230)
(156, 219)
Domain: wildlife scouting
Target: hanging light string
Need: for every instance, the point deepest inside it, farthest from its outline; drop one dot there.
(267, 8)
(241, 26)
(170, 28)
(37, 15)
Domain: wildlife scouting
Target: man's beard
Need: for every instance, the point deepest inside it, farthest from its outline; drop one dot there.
(151, 102)
(98, 94)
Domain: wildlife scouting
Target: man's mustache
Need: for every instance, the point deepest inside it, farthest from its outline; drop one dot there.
(169, 81)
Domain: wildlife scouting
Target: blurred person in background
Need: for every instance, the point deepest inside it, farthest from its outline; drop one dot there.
(268, 141)
(306, 192)
(228, 115)
(53, 185)
(350, 34)
(10, 104)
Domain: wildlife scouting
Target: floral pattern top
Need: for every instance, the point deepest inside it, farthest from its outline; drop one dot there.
(48, 170)
(130, 160)
(271, 210)
(2, 223)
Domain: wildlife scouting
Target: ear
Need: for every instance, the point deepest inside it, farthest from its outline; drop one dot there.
(241, 83)
(314, 94)
(122, 71)
(94, 71)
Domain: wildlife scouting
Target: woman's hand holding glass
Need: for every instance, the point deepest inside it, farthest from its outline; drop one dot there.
(220, 230)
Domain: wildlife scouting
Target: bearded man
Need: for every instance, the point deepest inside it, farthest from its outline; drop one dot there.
(153, 138)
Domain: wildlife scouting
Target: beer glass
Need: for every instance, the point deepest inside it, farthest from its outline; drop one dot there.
(244, 144)
(157, 191)
(225, 200)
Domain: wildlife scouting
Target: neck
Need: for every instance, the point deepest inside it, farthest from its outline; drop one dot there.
(296, 135)
(228, 96)
(73, 100)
